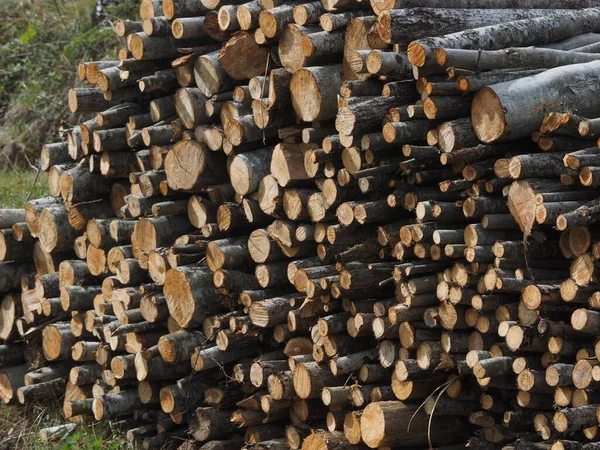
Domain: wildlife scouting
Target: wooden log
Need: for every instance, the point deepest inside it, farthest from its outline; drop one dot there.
(379, 416)
(310, 378)
(364, 115)
(536, 31)
(117, 404)
(521, 128)
(242, 58)
(189, 295)
(248, 169)
(531, 58)
(401, 26)
(58, 432)
(314, 92)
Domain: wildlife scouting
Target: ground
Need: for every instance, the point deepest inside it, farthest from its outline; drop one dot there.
(19, 430)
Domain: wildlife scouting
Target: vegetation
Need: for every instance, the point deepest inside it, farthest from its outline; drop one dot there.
(19, 429)
(17, 185)
(41, 43)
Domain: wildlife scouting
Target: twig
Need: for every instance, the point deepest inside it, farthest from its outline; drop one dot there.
(264, 130)
(37, 175)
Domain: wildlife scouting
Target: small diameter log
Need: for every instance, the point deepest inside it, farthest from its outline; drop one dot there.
(58, 432)
(41, 392)
(117, 404)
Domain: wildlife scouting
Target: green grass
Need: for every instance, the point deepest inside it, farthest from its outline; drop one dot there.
(17, 185)
(20, 427)
(41, 43)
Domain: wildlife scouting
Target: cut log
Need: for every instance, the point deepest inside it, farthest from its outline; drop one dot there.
(546, 29)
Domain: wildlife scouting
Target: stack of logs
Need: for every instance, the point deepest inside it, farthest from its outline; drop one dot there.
(325, 225)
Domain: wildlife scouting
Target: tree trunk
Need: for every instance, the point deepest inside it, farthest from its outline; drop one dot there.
(401, 26)
(189, 295)
(542, 30)
(364, 115)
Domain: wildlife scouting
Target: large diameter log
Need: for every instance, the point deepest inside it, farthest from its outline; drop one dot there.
(57, 341)
(230, 253)
(34, 208)
(329, 440)
(270, 312)
(207, 424)
(10, 309)
(55, 231)
(516, 108)
(363, 115)
(189, 165)
(13, 250)
(314, 92)
(521, 199)
(190, 295)
(248, 169)
(210, 76)
(310, 378)
(401, 26)
(380, 6)
(361, 34)
(541, 30)
(83, 100)
(380, 426)
(41, 392)
(143, 47)
(79, 184)
(298, 48)
(157, 369)
(155, 232)
(173, 9)
(287, 163)
(242, 58)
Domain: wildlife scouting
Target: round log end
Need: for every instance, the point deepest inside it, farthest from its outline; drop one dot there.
(488, 116)
(302, 381)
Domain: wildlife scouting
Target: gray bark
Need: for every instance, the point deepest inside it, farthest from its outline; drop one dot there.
(520, 104)
(542, 30)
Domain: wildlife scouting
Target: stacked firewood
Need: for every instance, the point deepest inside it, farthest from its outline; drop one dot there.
(321, 225)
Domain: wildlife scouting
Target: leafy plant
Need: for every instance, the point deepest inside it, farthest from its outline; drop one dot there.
(41, 43)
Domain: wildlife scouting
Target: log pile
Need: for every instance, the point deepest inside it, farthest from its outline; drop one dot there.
(326, 225)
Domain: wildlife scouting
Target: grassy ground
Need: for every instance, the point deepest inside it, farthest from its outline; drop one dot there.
(19, 429)
(17, 185)
(41, 43)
